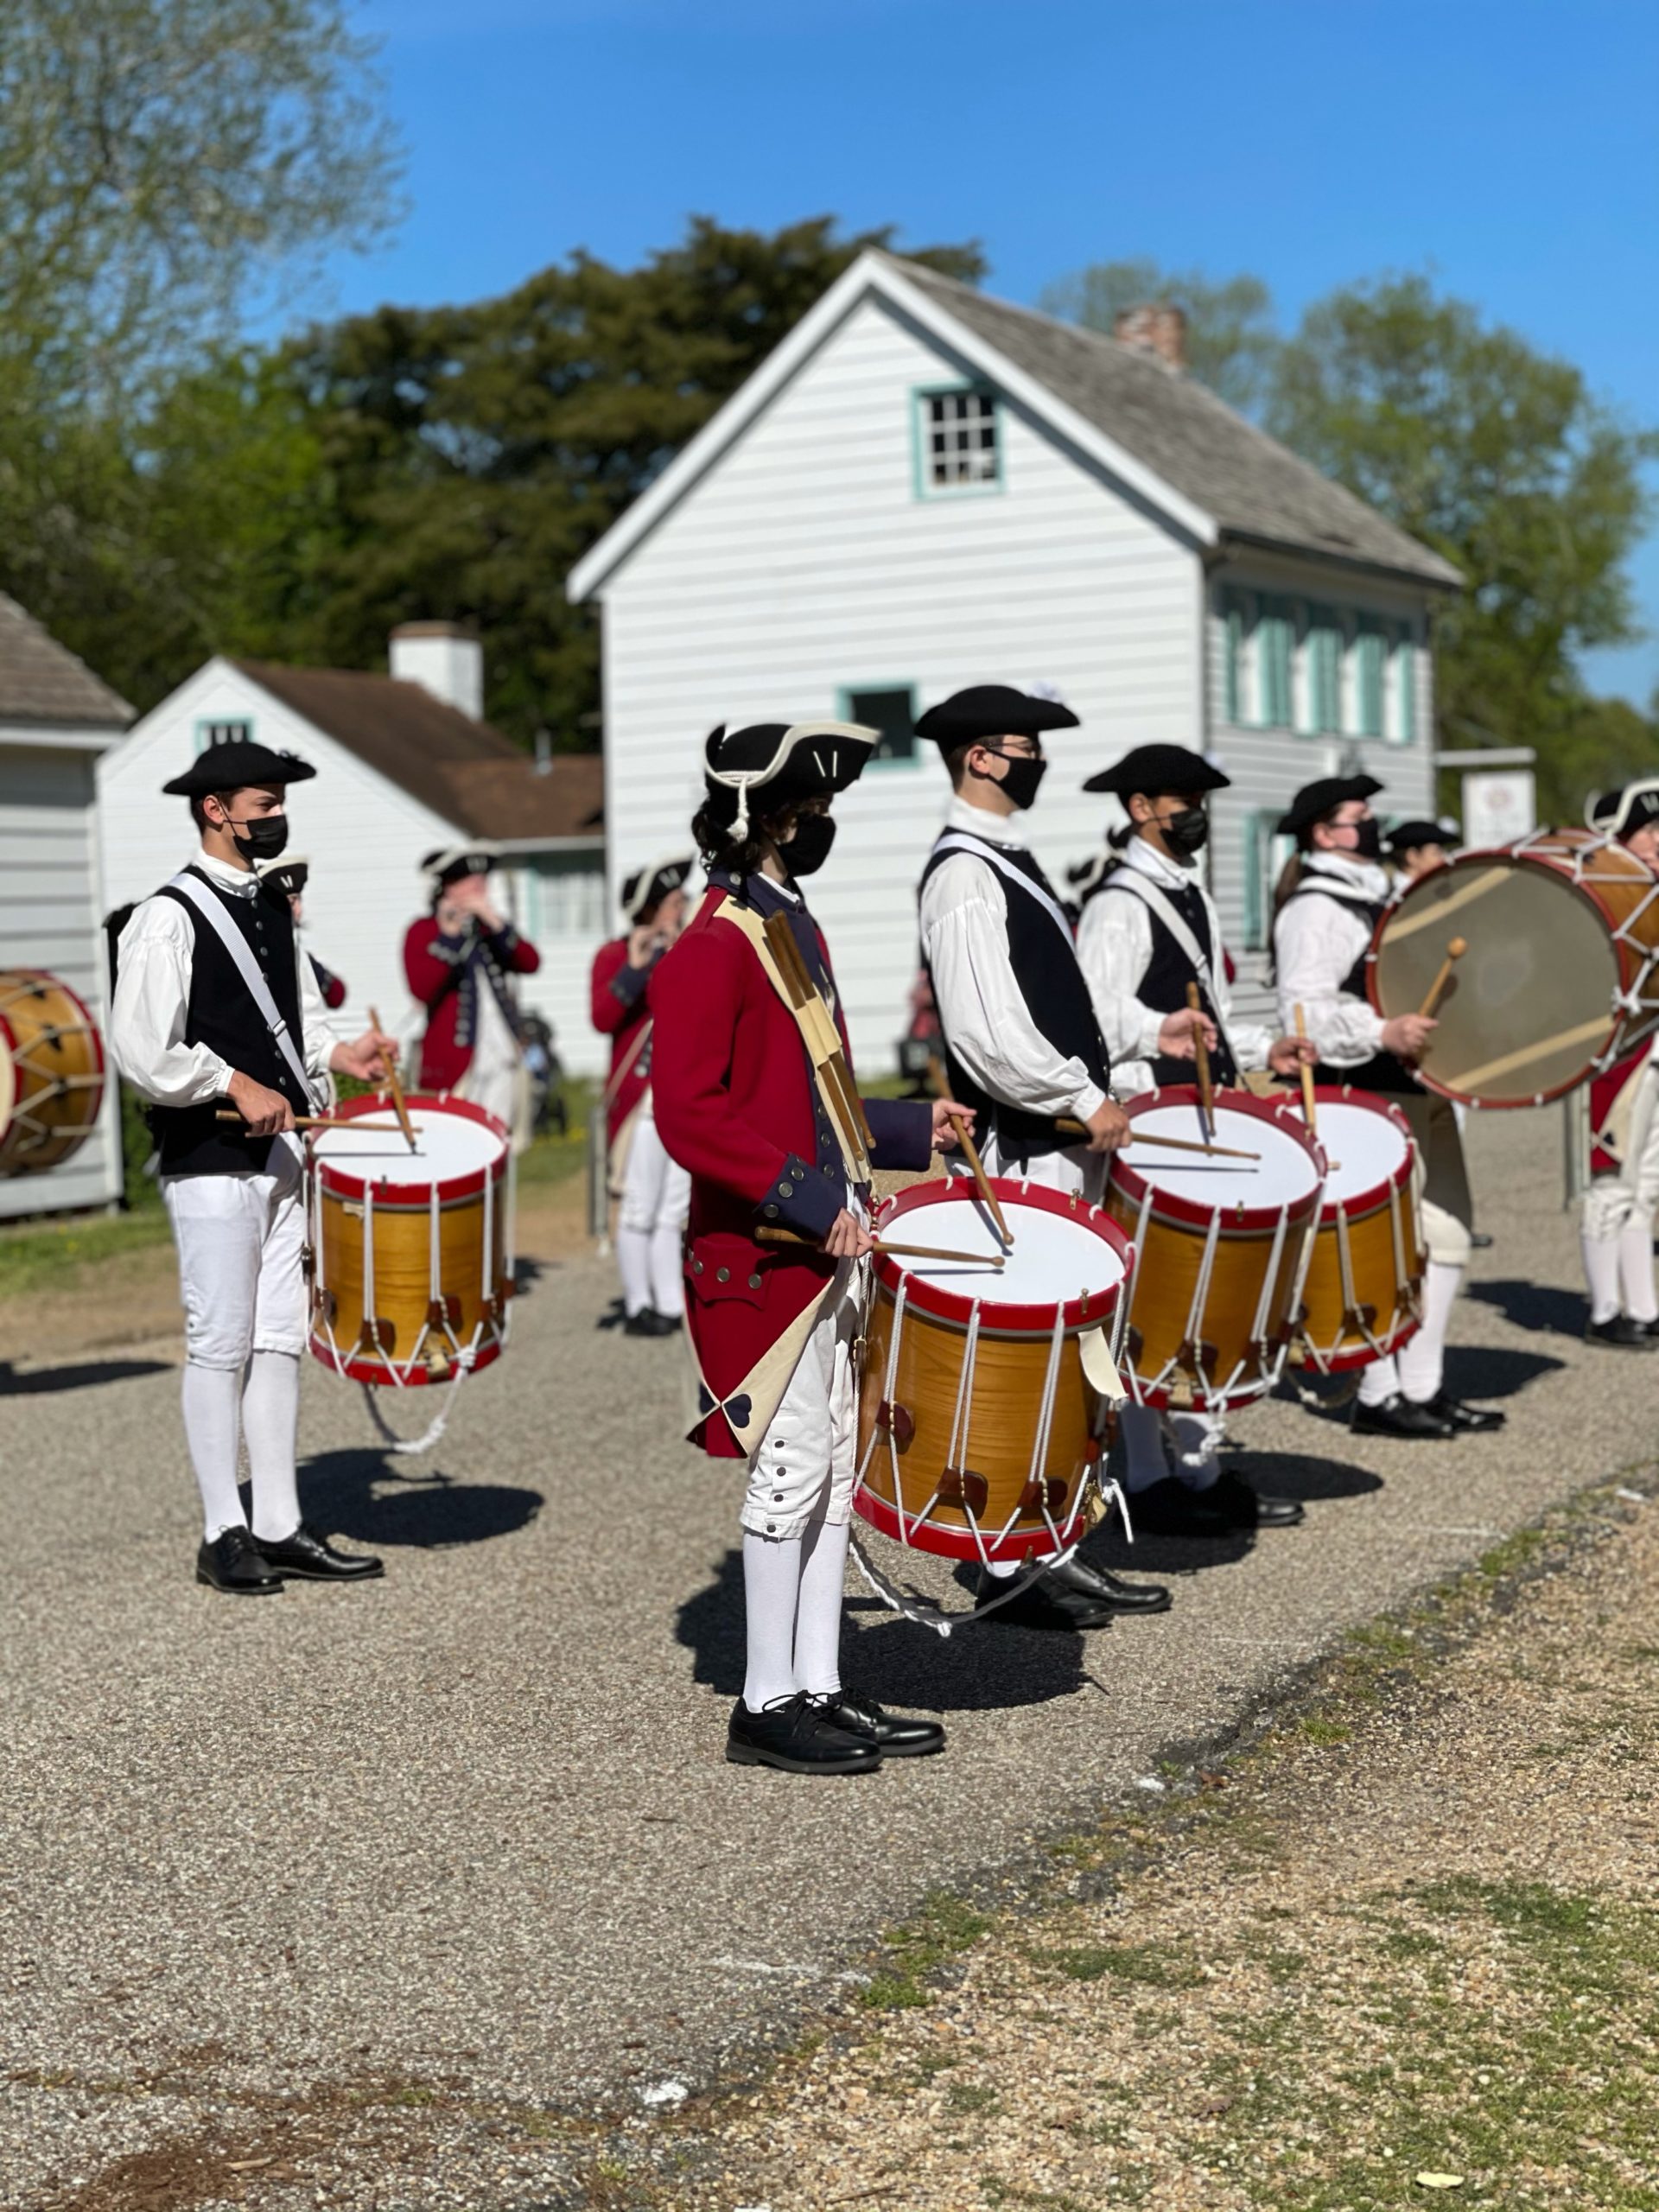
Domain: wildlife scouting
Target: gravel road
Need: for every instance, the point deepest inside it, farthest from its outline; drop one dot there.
(470, 1826)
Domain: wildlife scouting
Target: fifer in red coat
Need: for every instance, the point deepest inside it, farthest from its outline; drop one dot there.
(447, 974)
(736, 1105)
(621, 1013)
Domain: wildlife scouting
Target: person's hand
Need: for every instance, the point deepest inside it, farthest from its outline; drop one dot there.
(948, 1120)
(267, 1112)
(1287, 1054)
(452, 917)
(1108, 1126)
(644, 944)
(367, 1057)
(848, 1238)
(1407, 1035)
(1178, 1038)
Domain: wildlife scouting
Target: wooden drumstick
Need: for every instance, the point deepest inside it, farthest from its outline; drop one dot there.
(1068, 1127)
(981, 1181)
(1454, 952)
(395, 1085)
(320, 1121)
(1306, 1074)
(1201, 1054)
(899, 1251)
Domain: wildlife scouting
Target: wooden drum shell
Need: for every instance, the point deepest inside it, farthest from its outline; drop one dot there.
(51, 1072)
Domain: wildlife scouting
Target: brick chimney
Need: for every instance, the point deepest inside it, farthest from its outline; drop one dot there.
(445, 659)
(1157, 328)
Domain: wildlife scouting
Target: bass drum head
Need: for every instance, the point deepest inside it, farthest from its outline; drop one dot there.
(1529, 1006)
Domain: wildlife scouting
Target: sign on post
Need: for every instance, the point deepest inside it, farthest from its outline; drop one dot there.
(1499, 804)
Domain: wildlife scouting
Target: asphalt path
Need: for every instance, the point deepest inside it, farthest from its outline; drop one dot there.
(472, 1825)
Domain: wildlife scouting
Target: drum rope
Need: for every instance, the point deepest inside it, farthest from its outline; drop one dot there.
(408, 1446)
(1269, 1284)
(944, 1624)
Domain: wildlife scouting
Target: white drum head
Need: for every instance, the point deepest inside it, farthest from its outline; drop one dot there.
(447, 1147)
(1366, 1149)
(1283, 1173)
(1055, 1256)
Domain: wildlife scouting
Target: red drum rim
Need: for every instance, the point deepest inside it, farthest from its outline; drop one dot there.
(1377, 1194)
(365, 1370)
(925, 1295)
(1167, 1206)
(1556, 866)
(946, 1542)
(339, 1181)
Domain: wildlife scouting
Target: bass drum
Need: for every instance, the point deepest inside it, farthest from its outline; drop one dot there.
(1560, 977)
(51, 1072)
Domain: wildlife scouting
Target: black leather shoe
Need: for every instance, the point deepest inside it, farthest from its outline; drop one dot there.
(895, 1735)
(1403, 1417)
(648, 1322)
(669, 1325)
(1622, 1333)
(797, 1734)
(1107, 1589)
(1222, 1508)
(1044, 1604)
(306, 1557)
(234, 1564)
(1471, 1421)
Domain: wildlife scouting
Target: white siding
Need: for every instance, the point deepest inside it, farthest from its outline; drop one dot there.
(49, 918)
(804, 562)
(363, 836)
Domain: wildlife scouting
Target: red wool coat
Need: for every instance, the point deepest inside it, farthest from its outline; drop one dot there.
(444, 977)
(621, 1013)
(736, 1105)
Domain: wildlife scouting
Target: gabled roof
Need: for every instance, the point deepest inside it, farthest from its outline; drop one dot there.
(1213, 476)
(42, 681)
(462, 770)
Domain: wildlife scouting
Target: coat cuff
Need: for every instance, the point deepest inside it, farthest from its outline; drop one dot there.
(452, 950)
(803, 1198)
(903, 1132)
(628, 984)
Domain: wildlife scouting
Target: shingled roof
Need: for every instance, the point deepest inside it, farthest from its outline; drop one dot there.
(463, 770)
(1255, 488)
(42, 681)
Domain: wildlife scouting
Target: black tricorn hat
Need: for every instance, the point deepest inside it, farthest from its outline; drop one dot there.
(289, 876)
(447, 864)
(647, 888)
(1154, 768)
(232, 768)
(1314, 801)
(984, 711)
(1408, 836)
(1630, 806)
(788, 761)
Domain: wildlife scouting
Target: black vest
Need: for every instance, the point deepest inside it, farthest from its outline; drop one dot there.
(220, 1015)
(1163, 987)
(1053, 987)
(1382, 1072)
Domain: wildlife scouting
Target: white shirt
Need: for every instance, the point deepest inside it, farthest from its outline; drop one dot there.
(988, 1025)
(152, 995)
(1315, 944)
(1114, 946)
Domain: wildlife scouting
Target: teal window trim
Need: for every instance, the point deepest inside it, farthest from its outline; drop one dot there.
(1265, 854)
(1404, 660)
(1369, 702)
(922, 487)
(1232, 664)
(1324, 671)
(1274, 641)
(206, 722)
(846, 693)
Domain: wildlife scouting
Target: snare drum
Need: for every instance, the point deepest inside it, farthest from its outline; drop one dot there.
(1221, 1246)
(1561, 977)
(1363, 1298)
(411, 1253)
(985, 1390)
(51, 1072)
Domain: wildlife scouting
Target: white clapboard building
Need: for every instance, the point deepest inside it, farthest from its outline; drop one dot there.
(404, 763)
(56, 719)
(924, 487)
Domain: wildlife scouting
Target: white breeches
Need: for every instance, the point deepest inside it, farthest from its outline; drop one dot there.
(805, 1468)
(657, 1193)
(1612, 1200)
(241, 1242)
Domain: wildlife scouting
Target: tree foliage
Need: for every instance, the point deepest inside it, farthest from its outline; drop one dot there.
(1231, 342)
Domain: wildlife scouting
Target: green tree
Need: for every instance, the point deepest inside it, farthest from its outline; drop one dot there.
(1498, 456)
(1231, 342)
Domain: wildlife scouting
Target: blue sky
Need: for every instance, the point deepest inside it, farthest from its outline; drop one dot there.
(1507, 145)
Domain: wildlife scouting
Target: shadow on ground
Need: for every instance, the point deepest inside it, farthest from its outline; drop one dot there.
(1537, 1306)
(368, 1497)
(89, 1376)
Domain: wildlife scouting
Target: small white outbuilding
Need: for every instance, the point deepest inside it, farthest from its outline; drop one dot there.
(56, 721)
(924, 487)
(404, 763)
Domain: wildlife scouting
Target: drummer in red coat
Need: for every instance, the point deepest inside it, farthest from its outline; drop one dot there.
(459, 960)
(750, 1100)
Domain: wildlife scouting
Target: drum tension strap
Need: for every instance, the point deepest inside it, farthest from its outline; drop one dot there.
(961, 1486)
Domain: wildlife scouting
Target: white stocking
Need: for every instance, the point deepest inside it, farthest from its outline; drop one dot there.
(1146, 1460)
(771, 1589)
(1601, 1272)
(633, 1265)
(1636, 1268)
(818, 1619)
(1422, 1361)
(1379, 1383)
(664, 1270)
(271, 1421)
(210, 1430)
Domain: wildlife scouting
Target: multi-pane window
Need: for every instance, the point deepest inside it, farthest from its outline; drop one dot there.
(890, 708)
(237, 731)
(1295, 663)
(1265, 852)
(958, 432)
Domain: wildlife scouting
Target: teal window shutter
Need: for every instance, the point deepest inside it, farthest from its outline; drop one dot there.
(1274, 636)
(1405, 687)
(1368, 658)
(1233, 658)
(1324, 670)
(889, 707)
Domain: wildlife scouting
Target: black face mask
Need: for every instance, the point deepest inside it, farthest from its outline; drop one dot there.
(1188, 832)
(1022, 779)
(808, 849)
(261, 840)
(1367, 839)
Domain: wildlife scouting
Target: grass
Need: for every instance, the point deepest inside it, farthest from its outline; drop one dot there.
(945, 1926)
